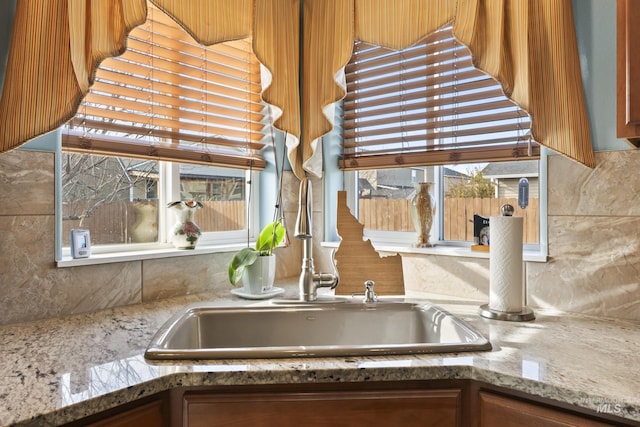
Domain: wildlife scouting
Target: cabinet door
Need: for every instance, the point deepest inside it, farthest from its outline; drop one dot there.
(425, 408)
(148, 415)
(628, 70)
(505, 412)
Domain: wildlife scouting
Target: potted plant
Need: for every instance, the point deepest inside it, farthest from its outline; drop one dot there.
(256, 266)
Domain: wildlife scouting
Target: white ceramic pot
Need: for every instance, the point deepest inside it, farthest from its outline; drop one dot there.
(259, 277)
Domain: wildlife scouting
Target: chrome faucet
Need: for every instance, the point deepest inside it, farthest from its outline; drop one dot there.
(310, 281)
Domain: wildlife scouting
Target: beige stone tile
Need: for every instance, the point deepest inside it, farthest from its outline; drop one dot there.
(290, 189)
(611, 188)
(594, 267)
(96, 287)
(32, 287)
(455, 276)
(27, 183)
(289, 259)
(169, 277)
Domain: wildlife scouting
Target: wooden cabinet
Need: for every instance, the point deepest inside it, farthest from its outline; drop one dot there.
(350, 408)
(148, 415)
(497, 410)
(431, 403)
(628, 70)
(149, 412)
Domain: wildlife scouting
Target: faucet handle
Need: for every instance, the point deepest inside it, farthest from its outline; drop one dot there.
(369, 294)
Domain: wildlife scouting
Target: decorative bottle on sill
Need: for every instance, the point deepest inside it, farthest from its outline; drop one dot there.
(185, 233)
(145, 228)
(423, 208)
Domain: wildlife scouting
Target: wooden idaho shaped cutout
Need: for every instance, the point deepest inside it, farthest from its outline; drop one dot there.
(357, 260)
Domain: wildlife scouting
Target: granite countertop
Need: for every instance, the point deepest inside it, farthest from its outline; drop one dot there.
(63, 369)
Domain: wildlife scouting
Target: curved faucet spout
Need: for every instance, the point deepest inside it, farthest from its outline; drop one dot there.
(303, 221)
(310, 281)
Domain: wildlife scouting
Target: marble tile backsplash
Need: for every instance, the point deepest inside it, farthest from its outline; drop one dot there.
(32, 287)
(611, 189)
(594, 238)
(27, 190)
(162, 278)
(594, 249)
(594, 244)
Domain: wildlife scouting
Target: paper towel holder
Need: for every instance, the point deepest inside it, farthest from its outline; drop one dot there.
(524, 315)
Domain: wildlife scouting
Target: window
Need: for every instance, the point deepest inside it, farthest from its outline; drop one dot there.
(427, 114)
(167, 120)
(224, 195)
(461, 191)
(118, 198)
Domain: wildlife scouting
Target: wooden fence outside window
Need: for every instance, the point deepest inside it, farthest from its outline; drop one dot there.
(395, 215)
(130, 222)
(120, 222)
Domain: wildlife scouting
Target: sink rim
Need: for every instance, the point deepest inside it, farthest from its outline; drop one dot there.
(158, 350)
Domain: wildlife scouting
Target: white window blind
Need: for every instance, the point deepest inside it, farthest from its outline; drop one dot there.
(169, 98)
(428, 105)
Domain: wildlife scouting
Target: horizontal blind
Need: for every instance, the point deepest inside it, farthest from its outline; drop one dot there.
(428, 105)
(169, 98)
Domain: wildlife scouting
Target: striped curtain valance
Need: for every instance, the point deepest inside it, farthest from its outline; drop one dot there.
(528, 46)
(169, 98)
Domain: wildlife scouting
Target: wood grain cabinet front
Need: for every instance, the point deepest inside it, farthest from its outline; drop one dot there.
(424, 408)
(628, 70)
(496, 410)
(432, 403)
(150, 412)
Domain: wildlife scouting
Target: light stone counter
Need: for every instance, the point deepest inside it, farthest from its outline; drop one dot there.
(63, 369)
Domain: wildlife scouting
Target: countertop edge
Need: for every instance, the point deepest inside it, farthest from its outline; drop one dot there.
(175, 380)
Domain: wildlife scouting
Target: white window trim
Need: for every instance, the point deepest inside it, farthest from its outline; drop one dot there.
(170, 172)
(140, 254)
(401, 242)
(210, 242)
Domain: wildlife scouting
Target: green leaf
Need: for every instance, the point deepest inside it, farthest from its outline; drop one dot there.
(270, 237)
(244, 258)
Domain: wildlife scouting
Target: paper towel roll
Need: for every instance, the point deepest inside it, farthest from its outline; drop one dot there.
(506, 287)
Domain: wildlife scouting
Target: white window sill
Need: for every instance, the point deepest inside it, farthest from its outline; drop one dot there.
(443, 250)
(161, 252)
(170, 252)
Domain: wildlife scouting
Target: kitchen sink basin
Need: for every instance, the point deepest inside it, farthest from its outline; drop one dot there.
(207, 331)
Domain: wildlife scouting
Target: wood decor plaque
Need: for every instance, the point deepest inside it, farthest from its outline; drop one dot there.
(357, 260)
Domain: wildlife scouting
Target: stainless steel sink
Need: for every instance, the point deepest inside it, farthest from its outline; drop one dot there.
(207, 331)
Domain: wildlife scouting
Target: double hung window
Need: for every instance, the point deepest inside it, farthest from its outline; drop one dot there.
(167, 120)
(426, 113)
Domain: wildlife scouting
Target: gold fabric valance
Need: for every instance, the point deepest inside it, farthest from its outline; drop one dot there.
(529, 46)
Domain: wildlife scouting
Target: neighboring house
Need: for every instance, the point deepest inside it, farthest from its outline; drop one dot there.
(398, 183)
(211, 183)
(506, 176)
(196, 182)
(389, 183)
(453, 178)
